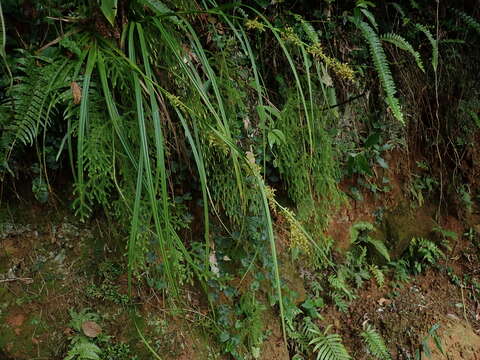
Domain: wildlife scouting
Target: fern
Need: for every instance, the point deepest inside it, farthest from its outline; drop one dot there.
(370, 18)
(338, 283)
(98, 157)
(379, 246)
(429, 251)
(382, 68)
(356, 237)
(339, 302)
(375, 344)
(32, 100)
(378, 275)
(83, 349)
(358, 228)
(467, 19)
(433, 42)
(403, 44)
(329, 346)
(78, 318)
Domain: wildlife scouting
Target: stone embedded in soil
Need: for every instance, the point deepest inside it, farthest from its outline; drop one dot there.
(459, 342)
(91, 329)
(403, 224)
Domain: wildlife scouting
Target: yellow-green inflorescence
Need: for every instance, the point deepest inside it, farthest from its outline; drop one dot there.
(343, 70)
(254, 25)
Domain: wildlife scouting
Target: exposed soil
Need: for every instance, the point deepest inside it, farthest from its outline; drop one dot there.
(48, 261)
(46, 268)
(405, 313)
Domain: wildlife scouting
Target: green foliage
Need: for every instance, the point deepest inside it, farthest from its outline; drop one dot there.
(375, 344)
(78, 318)
(433, 43)
(83, 349)
(100, 347)
(328, 346)
(423, 253)
(403, 44)
(358, 235)
(175, 115)
(378, 275)
(422, 186)
(118, 351)
(109, 9)
(106, 289)
(339, 301)
(467, 19)
(425, 347)
(381, 66)
(32, 100)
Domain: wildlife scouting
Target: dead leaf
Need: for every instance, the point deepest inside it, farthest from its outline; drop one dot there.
(250, 157)
(214, 264)
(477, 315)
(16, 320)
(382, 301)
(91, 329)
(76, 92)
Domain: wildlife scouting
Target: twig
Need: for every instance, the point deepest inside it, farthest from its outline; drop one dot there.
(65, 19)
(464, 305)
(58, 39)
(344, 102)
(25, 280)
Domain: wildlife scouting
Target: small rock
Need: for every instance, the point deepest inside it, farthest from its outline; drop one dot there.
(91, 329)
(382, 301)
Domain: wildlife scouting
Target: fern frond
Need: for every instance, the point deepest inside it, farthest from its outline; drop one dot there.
(339, 302)
(98, 157)
(467, 19)
(379, 246)
(310, 31)
(382, 68)
(370, 18)
(433, 42)
(32, 99)
(338, 283)
(329, 346)
(375, 344)
(83, 349)
(403, 44)
(357, 228)
(378, 275)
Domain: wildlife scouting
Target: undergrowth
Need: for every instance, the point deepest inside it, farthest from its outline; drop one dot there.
(208, 130)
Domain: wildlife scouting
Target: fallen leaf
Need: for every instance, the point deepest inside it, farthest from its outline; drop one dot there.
(15, 320)
(214, 264)
(76, 92)
(382, 301)
(91, 329)
(453, 317)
